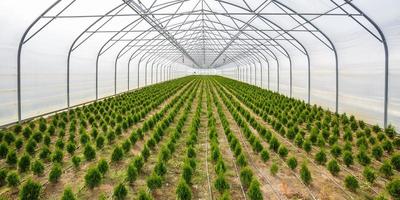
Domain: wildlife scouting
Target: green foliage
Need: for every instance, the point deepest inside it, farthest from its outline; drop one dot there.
(100, 142)
(307, 146)
(305, 174)
(351, 183)
(57, 156)
(102, 166)
(76, 161)
(13, 179)
(241, 160)
(292, 163)
(274, 169)
(131, 173)
(120, 192)
(187, 173)
(68, 194)
(30, 191)
(24, 163)
(320, 157)
(183, 192)
(221, 184)
(71, 147)
(154, 181)
(246, 175)
(55, 173)
(3, 150)
(254, 191)
(93, 177)
(12, 158)
(3, 176)
(377, 152)
(143, 195)
(369, 174)
(386, 169)
(363, 158)
(117, 154)
(393, 188)
(89, 152)
(348, 158)
(333, 167)
(283, 151)
(336, 151)
(395, 161)
(265, 155)
(160, 168)
(220, 167)
(37, 167)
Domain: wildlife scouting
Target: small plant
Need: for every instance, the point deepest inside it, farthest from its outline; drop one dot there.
(93, 178)
(71, 147)
(305, 174)
(369, 174)
(320, 157)
(37, 167)
(386, 169)
(117, 154)
(3, 176)
(102, 166)
(24, 163)
(187, 173)
(3, 150)
(89, 152)
(12, 158)
(265, 155)
(12, 179)
(274, 169)
(395, 161)
(363, 158)
(292, 163)
(154, 181)
(68, 194)
(76, 161)
(30, 191)
(333, 167)
(283, 151)
(246, 175)
(348, 158)
(160, 168)
(100, 142)
(351, 183)
(120, 192)
(55, 173)
(221, 184)
(377, 151)
(57, 156)
(143, 195)
(241, 160)
(393, 188)
(336, 151)
(131, 173)
(183, 192)
(254, 191)
(307, 146)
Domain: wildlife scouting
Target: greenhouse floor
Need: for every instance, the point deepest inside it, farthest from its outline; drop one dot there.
(199, 137)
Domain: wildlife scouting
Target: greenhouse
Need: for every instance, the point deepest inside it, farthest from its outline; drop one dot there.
(200, 99)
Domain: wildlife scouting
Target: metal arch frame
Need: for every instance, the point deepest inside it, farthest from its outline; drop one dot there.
(289, 14)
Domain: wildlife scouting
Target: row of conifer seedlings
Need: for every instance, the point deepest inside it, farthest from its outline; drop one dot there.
(183, 189)
(157, 176)
(246, 175)
(220, 183)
